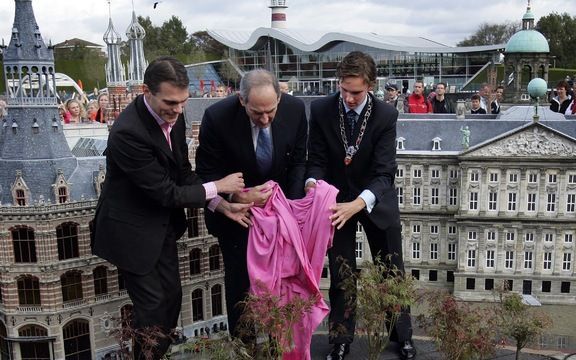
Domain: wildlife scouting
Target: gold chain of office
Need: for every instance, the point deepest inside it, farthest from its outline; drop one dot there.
(351, 150)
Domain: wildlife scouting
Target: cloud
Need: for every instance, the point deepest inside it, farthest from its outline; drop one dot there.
(448, 21)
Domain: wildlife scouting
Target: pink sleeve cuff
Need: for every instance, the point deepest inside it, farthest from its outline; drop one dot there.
(211, 190)
(213, 204)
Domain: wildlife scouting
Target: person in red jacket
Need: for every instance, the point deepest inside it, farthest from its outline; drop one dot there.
(417, 102)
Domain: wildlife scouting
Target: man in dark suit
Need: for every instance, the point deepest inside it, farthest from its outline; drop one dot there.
(352, 146)
(140, 214)
(262, 134)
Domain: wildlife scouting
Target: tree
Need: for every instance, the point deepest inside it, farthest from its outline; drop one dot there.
(213, 49)
(519, 321)
(559, 31)
(491, 34)
(169, 39)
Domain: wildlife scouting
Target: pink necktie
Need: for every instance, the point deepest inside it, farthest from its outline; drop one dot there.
(166, 130)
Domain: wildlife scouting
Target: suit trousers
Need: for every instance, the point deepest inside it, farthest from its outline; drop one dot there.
(157, 299)
(382, 243)
(234, 247)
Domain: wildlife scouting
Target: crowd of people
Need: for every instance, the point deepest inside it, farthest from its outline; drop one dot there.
(76, 111)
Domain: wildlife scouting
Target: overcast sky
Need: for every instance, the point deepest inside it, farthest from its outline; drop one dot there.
(445, 21)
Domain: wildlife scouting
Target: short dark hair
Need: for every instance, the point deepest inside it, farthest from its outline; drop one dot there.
(442, 83)
(257, 78)
(357, 64)
(165, 69)
(562, 84)
(475, 97)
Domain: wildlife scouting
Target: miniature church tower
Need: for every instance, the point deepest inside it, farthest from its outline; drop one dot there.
(33, 148)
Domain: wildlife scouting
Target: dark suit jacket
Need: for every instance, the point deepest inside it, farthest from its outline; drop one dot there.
(147, 186)
(226, 146)
(374, 165)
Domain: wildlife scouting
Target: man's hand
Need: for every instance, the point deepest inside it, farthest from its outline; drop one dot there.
(237, 212)
(230, 184)
(309, 185)
(258, 195)
(342, 212)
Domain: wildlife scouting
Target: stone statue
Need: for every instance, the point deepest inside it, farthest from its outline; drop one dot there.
(465, 136)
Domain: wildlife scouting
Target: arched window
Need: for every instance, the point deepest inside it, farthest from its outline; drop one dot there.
(20, 191)
(71, 283)
(34, 350)
(60, 188)
(214, 257)
(24, 244)
(195, 261)
(28, 291)
(216, 292)
(77, 340)
(100, 275)
(67, 236)
(197, 305)
(192, 222)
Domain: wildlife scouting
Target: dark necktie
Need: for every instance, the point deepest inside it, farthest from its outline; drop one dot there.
(351, 117)
(264, 152)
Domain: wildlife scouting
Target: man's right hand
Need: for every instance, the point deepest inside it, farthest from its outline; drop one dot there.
(230, 184)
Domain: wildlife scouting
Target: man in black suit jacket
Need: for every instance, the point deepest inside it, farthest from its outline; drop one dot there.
(229, 142)
(148, 182)
(353, 147)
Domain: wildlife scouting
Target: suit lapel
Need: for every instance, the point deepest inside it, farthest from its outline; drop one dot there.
(245, 141)
(154, 129)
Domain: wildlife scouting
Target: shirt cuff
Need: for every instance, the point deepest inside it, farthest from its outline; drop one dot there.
(213, 204)
(310, 179)
(369, 199)
(211, 190)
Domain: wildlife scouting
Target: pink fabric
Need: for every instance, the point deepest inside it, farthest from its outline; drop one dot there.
(286, 248)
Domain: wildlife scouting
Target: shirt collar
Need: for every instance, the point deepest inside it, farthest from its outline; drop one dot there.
(154, 115)
(359, 108)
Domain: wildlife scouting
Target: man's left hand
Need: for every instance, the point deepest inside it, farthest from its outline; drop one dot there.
(342, 212)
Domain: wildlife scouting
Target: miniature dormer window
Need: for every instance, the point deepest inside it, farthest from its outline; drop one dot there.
(35, 127)
(61, 188)
(436, 142)
(14, 127)
(99, 179)
(54, 124)
(20, 191)
(400, 143)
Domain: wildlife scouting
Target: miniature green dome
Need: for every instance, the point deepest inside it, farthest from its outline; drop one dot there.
(527, 41)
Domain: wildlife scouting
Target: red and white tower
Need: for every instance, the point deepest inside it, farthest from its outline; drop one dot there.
(278, 13)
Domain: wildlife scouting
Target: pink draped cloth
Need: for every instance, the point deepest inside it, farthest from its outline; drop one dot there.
(286, 248)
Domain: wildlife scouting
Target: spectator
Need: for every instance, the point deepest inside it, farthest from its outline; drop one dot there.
(562, 100)
(485, 96)
(392, 94)
(102, 107)
(417, 102)
(476, 107)
(221, 91)
(92, 110)
(284, 88)
(64, 114)
(498, 96)
(440, 104)
(3, 109)
(76, 110)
